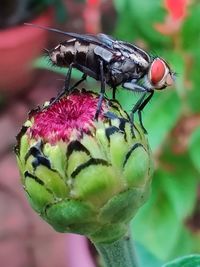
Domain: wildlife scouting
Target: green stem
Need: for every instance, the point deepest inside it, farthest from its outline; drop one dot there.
(120, 253)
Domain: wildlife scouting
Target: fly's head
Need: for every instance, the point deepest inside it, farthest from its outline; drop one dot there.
(160, 75)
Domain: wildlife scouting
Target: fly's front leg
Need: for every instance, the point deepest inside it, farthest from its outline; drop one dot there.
(102, 92)
(141, 107)
(134, 110)
(141, 103)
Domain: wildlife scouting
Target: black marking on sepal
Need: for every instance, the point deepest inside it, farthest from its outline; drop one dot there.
(136, 145)
(18, 138)
(76, 146)
(115, 105)
(39, 158)
(37, 180)
(90, 162)
(122, 123)
(111, 130)
(29, 175)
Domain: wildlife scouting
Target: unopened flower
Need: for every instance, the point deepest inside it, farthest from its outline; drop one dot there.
(81, 175)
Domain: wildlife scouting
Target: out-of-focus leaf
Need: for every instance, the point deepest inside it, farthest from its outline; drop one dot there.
(161, 116)
(194, 79)
(179, 180)
(185, 244)
(120, 5)
(155, 221)
(136, 20)
(125, 31)
(180, 190)
(145, 14)
(159, 225)
(146, 258)
(194, 148)
(187, 261)
(43, 63)
(190, 31)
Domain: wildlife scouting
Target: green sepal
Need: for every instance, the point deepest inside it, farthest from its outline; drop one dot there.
(137, 167)
(71, 216)
(52, 180)
(96, 184)
(38, 195)
(76, 159)
(123, 206)
(57, 156)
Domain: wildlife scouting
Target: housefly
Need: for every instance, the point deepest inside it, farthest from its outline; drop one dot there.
(112, 62)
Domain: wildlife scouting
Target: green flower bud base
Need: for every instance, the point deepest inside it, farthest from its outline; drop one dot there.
(81, 175)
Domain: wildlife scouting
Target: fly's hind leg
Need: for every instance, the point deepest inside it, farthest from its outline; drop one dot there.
(65, 90)
(83, 78)
(102, 91)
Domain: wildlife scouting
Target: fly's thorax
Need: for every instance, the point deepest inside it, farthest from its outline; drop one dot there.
(159, 74)
(125, 70)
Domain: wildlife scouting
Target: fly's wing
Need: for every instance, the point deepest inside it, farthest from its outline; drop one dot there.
(99, 39)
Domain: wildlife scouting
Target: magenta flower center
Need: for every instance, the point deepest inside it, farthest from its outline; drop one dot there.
(68, 118)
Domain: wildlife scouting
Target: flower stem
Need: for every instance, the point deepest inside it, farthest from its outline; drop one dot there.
(120, 253)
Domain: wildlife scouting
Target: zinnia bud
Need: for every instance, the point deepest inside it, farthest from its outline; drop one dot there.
(81, 175)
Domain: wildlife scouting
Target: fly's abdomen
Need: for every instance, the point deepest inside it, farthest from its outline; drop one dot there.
(73, 51)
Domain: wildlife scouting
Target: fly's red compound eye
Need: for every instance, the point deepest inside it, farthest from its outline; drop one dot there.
(157, 71)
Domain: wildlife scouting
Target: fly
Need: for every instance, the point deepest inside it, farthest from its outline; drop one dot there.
(112, 62)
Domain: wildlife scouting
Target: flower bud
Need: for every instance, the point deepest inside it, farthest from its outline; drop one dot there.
(83, 175)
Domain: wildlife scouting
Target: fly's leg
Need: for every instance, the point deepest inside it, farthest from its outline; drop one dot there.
(141, 103)
(65, 89)
(79, 82)
(114, 93)
(141, 107)
(102, 92)
(134, 110)
(67, 80)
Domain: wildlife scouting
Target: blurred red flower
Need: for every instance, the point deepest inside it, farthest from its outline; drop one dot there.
(91, 16)
(177, 12)
(177, 9)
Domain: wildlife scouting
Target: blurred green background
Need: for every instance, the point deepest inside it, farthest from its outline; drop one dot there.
(169, 224)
